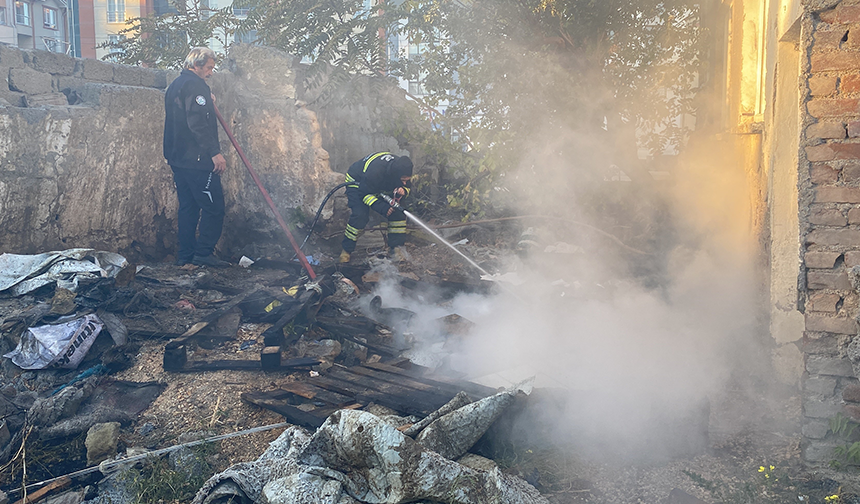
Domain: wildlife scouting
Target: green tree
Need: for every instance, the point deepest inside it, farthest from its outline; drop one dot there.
(164, 41)
(576, 83)
(531, 88)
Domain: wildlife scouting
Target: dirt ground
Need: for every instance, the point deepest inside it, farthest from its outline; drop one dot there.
(748, 431)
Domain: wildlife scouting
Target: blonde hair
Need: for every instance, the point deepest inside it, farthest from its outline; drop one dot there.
(198, 57)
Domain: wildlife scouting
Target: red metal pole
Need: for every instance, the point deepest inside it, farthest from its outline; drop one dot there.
(301, 256)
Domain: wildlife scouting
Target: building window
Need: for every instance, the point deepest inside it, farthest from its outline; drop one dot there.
(208, 8)
(49, 18)
(53, 45)
(417, 88)
(22, 13)
(2, 16)
(115, 51)
(241, 12)
(247, 37)
(115, 11)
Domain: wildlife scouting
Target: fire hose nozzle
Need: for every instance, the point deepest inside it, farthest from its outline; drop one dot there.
(391, 201)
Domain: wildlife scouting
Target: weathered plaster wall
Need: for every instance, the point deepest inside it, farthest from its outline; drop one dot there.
(829, 209)
(363, 116)
(780, 145)
(81, 163)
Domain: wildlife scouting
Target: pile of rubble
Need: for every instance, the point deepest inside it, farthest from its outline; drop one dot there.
(72, 319)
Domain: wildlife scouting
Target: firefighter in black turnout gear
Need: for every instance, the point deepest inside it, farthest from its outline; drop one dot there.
(193, 153)
(374, 175)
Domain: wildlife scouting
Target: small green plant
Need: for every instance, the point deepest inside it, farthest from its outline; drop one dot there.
(768, 486)
(849, 452)
(157, 483)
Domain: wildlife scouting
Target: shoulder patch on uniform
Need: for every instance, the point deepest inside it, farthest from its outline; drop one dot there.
(200, 100)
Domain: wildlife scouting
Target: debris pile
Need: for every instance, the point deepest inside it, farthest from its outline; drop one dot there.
(71, 319)
(356, 456)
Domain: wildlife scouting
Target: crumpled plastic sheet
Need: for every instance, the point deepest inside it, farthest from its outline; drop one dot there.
(356, 457)
(60, 345)
(243, 483)
(20, 274)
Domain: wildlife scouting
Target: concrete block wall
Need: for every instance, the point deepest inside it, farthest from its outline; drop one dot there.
(81, 163)
(830, 220)
(36, 78)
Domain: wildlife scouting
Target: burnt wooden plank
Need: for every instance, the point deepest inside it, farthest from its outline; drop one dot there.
(448, 384)
(365, 395)
(312, 419)
(401, 380)
(241, 365)
(353, 326)
(306, 393)
(310, 391)
(402, 395)
(275, 333)
(377, 348)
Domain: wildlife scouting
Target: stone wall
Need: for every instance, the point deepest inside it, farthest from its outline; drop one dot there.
(829, 188)
(81, 163)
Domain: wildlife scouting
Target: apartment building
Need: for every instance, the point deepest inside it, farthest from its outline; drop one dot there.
(99, 21)
(35, 24)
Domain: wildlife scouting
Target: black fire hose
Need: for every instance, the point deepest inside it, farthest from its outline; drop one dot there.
(319, 212)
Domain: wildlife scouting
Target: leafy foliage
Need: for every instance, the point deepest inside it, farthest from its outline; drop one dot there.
(156, 482)
(576, 85)
(844, 428)
(769, 486)
(164, 41)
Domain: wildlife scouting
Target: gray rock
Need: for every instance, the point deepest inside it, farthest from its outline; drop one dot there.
(11, 57)
(127, 75)
(112, 490)
(185, 461)
(29, 81)
(49, 99)
(101, 442)
(53, 63)
(96, 70)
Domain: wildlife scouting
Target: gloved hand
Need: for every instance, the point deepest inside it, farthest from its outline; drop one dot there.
(381, 207)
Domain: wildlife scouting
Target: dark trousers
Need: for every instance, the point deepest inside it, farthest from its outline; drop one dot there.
(201, 211)
(360, 215)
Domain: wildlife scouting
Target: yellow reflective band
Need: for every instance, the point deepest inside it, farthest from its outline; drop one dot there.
(397, 227)
(370, 199)
(351, 233)
(371, 158)
(349, 178)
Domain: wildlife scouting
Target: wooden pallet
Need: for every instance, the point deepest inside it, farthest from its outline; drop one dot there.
(406, 388)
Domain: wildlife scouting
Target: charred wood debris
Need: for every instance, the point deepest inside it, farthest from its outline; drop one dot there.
(200, 307)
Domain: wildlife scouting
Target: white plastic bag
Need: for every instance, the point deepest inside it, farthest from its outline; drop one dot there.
(61, 345)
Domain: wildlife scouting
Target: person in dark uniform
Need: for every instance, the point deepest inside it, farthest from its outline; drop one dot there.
(192, 150)
(368, 178)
